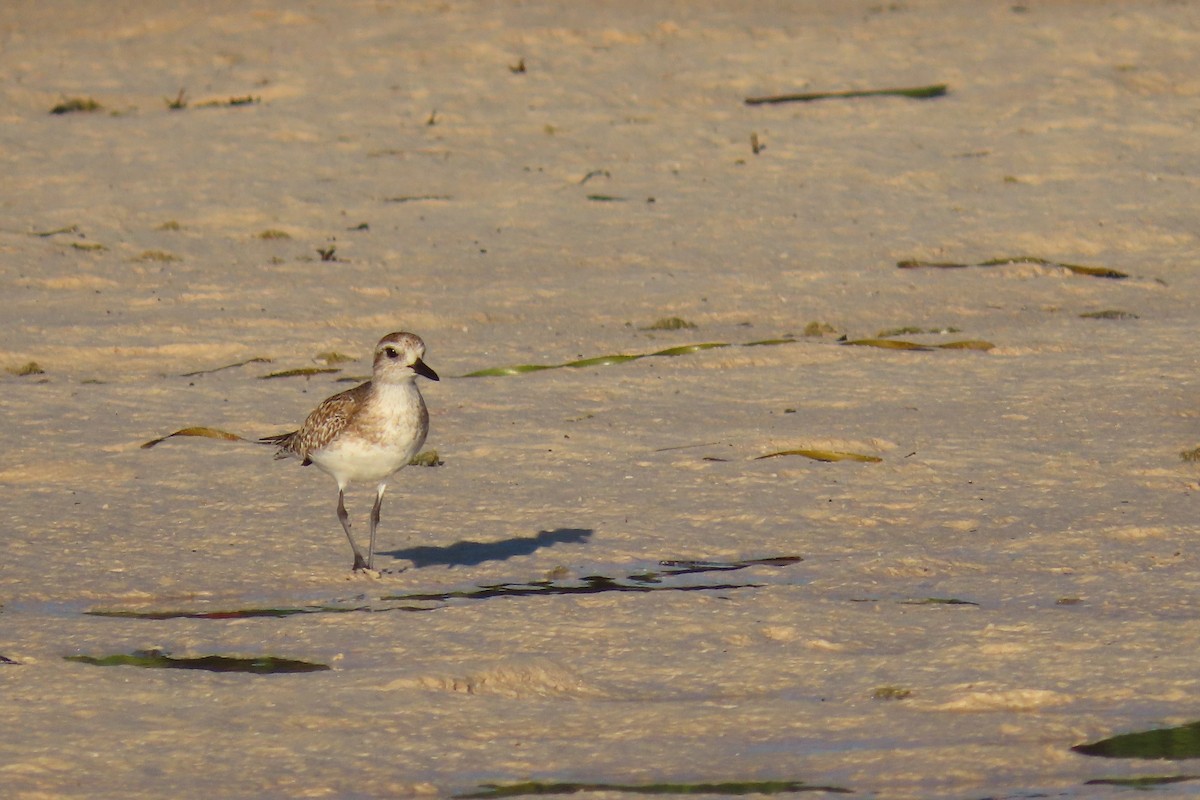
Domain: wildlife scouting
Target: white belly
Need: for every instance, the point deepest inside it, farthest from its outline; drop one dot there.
(353, 460)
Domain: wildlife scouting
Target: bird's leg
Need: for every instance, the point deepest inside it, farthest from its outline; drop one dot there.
(375, 524)
(344, 518)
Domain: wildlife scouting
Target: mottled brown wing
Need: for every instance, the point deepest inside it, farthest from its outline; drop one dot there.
(322, 425)
(328, 420)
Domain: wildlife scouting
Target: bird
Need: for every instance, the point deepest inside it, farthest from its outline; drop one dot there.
(367, 433)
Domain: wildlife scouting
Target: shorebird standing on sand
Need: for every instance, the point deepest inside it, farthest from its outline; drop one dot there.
(367, 433)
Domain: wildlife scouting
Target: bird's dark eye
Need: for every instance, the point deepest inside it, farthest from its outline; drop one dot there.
(391, 352)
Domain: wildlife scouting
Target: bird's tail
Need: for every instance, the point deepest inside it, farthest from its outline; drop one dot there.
(286, 443)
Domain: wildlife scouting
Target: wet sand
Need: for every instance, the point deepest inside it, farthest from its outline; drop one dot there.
(602, 584)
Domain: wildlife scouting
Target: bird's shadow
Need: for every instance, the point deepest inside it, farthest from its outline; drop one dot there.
(470, 554)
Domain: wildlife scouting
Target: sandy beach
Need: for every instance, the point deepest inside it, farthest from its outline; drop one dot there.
(857, 464)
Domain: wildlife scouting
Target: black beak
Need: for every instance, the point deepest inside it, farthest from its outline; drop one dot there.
(423, 369)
